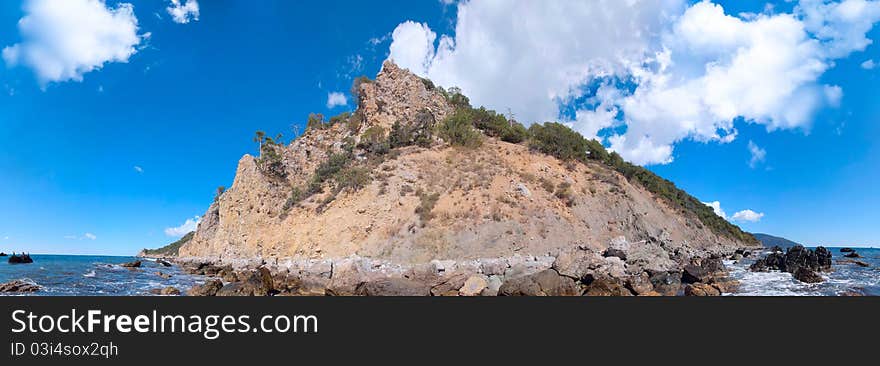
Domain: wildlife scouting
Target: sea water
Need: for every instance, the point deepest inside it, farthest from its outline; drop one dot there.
(75, 275)
(844, 278)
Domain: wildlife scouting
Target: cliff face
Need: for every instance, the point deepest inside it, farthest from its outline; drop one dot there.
(425, 204)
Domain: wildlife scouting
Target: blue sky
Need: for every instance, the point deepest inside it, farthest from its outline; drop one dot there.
(105, 159)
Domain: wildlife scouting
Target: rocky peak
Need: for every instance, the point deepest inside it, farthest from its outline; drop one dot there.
(399, 95)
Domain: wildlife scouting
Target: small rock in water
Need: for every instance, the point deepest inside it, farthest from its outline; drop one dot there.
(135, 264)
(853, 254)
(846, 250)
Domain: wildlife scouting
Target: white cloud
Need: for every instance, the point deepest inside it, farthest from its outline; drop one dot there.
(869, 65)
(716, 206)
(682, 72)
(758, 154)
(64, 39)
(183, 12)
(336, 99)
(188, 226)
(85, 236)
(138, 169)
(748, 215)
(744, 215)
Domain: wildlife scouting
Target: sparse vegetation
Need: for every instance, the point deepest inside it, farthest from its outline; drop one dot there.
(316, 120)
(373, 141)
(356, 86)
(419, 133)
(426, 205)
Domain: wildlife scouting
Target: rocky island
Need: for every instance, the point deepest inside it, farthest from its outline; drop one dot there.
(419, 193)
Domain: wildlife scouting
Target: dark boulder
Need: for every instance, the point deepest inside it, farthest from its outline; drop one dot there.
(545, 283)
(3, 254)
(852, 254)
(393, 287)
(254, 284)
(795, 258)
(807, 275)
(666, 283)
(846, 250)
(20, 259)
(612, 252)
(210, 288)
(163, 262)
(702, 269)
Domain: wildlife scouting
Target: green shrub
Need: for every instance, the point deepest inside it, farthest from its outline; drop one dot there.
(270, 161)
(457, 99)
(558, 140)
(497, 125)
(171, 250)
(457, 130)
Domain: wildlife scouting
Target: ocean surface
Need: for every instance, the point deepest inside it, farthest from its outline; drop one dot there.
(845, 277)
(74, 275)
(66, 275)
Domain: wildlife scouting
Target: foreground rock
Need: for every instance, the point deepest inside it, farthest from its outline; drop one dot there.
(580, 271)
(209, 288)
(544, 283)
(804, 264)
(19, 286)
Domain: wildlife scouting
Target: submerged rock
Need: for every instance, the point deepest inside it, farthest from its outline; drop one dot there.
(853, 254)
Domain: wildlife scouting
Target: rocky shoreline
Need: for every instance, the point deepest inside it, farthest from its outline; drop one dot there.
(621, 270)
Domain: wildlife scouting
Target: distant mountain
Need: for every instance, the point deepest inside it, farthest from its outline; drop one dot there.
(770, 241)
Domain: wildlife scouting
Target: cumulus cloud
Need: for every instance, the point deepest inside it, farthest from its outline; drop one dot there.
(138, 169)
(336, 99)
(185, 228)
(64, 39)
(716, 206)
(90, 236)
(668, 71)
(744, 215)
(758, 154)
(183, 12)
(869, 65)
(748, 215)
